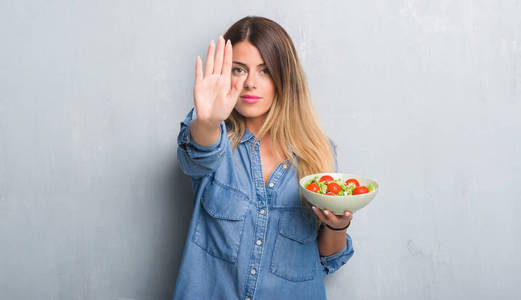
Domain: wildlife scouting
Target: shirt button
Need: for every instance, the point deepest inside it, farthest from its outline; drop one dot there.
(271, 184)
(259, 242)
(253, 271)
(323, 259)
(262, 211)
(285, 166)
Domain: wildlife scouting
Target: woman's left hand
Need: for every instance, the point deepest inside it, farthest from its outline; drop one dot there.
(335, 221)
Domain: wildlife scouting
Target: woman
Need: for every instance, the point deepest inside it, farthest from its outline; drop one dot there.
(252, 134)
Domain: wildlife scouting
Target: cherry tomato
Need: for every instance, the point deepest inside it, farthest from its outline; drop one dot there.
(330, 194)
(334, 187)
(313, 187)
(326, 178)
(353, 181)
(360, 190)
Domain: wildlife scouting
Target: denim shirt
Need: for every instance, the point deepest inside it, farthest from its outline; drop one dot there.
(247, 240)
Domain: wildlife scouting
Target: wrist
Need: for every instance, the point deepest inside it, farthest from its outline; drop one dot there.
(204, 133)
(334, 229)
(206, 124)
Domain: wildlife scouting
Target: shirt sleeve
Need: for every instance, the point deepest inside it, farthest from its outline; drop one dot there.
(335, 261)
(197, 160)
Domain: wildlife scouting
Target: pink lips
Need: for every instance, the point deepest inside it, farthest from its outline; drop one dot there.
(250, 99)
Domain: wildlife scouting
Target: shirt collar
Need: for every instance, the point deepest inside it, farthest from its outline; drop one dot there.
(248, 135)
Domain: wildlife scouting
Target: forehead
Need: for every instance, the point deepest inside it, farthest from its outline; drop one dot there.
(247, 53)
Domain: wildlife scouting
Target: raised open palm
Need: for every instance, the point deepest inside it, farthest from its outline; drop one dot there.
(214, 97)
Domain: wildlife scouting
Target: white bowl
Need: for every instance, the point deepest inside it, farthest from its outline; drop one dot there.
(338, 204)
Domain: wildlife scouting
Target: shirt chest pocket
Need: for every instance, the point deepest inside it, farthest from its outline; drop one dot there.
(295, 255)
(220, 223)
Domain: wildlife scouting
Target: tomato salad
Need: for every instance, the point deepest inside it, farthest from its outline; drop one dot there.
(327, 185)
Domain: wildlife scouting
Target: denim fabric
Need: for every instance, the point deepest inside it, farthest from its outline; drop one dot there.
(247, 240)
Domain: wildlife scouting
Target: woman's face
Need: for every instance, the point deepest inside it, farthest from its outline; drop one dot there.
(248, 62)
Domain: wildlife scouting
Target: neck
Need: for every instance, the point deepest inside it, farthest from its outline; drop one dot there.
(254, 124)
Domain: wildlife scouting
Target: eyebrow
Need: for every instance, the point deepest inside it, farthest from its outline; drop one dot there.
(240, 63)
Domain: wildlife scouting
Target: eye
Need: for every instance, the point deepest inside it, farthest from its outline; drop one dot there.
(236, 70)
(266, 71)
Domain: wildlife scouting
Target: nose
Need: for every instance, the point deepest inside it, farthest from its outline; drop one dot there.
(249, 83)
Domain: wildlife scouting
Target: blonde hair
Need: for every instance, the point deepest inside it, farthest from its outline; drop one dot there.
(291, 121)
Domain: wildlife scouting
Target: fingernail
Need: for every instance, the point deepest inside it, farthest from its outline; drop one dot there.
(326, 213)
(314, 208)
(347, 214)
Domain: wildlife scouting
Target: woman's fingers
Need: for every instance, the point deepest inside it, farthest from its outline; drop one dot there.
(227, 68)
(198, 69)
(209, 59)
(227, 65)
(328, 217)
(319, 214)
(218, 65)
(331, 216)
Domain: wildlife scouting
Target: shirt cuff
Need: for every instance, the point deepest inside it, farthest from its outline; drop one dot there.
(186, 142)
(186, 138)
(335, 261)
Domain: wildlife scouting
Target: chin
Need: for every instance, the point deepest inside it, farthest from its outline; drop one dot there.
(251, 112)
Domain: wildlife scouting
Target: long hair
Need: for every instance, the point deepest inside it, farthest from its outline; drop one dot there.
(291, 120)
